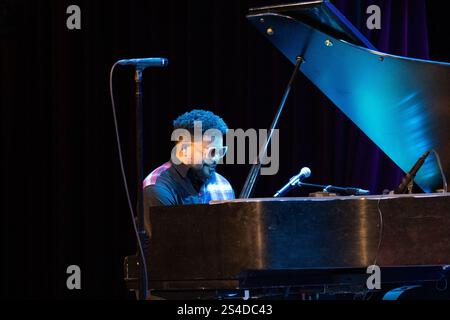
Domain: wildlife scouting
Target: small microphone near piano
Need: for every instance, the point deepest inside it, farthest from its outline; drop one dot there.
(408, 179)
(293, 182)
(327, 190)
(347, 191)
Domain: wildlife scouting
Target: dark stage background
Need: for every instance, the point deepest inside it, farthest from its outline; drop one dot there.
(63, 200)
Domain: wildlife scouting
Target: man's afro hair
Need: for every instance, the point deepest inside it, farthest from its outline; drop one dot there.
(208, 120)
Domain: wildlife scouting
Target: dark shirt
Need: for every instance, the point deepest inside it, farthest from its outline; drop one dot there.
(177, 184)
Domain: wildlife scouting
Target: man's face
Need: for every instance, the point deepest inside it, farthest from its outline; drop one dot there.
(206, 154)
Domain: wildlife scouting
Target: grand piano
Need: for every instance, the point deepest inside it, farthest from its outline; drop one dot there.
(255, 247)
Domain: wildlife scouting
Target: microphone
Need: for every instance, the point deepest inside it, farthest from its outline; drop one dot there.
(349, 191)
(143, 63)
(411, 174)
(303, 174)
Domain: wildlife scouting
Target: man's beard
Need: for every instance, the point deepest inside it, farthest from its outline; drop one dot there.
(205, 171)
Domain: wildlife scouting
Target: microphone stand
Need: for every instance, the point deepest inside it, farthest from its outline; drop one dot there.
(330, 188)
(143, 282)
(138, 218)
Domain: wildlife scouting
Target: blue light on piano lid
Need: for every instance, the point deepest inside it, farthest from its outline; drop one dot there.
(417, 127)
(404, 135)
(408, 98)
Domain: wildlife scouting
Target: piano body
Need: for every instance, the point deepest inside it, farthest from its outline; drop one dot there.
(402, 105)
(211, 246)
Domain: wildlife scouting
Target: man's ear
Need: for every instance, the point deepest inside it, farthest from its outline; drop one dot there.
(183, 149)
(184, 146)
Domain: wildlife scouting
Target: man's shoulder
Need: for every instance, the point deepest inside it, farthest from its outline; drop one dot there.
(157, 176)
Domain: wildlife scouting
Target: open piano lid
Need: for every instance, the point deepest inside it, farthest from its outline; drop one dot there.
(401, 104)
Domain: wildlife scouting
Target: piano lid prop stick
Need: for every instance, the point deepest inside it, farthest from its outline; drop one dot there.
(256, 167)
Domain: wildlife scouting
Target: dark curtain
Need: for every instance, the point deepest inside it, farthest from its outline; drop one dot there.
(63, 200)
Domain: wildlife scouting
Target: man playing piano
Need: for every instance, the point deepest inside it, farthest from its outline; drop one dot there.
(190, 176)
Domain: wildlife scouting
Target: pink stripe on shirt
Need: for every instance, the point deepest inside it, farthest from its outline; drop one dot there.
(153, 176)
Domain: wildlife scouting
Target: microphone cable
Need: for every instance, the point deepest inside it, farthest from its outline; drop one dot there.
(125, 183)
(444, 180)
